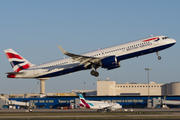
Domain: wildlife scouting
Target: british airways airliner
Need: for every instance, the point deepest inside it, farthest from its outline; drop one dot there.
(107, 58)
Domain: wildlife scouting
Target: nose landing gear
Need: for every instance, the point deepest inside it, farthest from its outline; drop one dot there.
(159, 57)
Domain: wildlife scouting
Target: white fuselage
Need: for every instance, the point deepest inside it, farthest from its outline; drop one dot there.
(101, 105)
(122, 52)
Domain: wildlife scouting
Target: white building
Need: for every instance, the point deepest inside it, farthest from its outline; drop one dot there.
(111, 88)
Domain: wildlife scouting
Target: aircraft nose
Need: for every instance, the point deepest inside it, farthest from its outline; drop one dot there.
(173, 41)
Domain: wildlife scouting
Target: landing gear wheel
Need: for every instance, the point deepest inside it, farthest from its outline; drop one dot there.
(159, 57)
(94, 73)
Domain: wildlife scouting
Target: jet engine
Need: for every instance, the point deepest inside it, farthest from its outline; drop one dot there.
(109, 61)
(114, 66)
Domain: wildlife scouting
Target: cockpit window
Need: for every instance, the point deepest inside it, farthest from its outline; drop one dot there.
(165, 38)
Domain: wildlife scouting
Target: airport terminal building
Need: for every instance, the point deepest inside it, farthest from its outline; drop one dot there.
(110, 88)
(129, 95)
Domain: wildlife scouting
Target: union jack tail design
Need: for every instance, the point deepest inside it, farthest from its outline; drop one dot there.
(17, 62)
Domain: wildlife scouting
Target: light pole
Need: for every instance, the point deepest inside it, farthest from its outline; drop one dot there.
(84, 85)
(38, 86)
(147, 69)
(94, 86)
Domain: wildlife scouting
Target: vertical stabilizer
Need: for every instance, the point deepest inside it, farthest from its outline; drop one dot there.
(83, 101)
(17, 62)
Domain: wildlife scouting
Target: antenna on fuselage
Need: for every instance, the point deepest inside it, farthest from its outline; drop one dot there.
(151, 35)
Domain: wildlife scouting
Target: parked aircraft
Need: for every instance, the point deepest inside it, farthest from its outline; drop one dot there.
(108, 58)
(99, 105)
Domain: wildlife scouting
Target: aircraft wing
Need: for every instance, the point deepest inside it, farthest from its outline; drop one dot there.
(86, 60)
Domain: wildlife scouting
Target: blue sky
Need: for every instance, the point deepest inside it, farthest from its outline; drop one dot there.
(34, 28)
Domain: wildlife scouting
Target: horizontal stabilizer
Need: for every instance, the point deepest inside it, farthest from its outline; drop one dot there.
(16, 73)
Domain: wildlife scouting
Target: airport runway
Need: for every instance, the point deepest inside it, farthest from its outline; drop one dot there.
(90, 114)
(90, 110)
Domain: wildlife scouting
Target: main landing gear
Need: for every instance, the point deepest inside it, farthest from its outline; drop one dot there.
(94, 72)
(159, 57)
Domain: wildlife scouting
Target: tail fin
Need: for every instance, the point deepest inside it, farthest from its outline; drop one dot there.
(83, 101)
(17, 62)
(82, 98)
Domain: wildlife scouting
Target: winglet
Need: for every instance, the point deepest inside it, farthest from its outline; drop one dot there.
(62, 50)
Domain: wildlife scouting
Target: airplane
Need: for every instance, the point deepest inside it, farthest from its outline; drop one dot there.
(107, 58)
(99, 105)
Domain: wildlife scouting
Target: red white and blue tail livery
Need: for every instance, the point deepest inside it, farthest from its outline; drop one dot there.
(107, 58)
(17, 62)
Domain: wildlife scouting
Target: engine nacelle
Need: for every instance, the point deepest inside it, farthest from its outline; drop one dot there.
(115, 66)
(109, 61)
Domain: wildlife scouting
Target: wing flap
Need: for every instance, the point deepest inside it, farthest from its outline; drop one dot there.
(84, 61)
(87, 64)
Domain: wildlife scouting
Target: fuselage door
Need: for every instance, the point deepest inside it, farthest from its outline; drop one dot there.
(36, 71)
(156, 42)
(102, 53)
